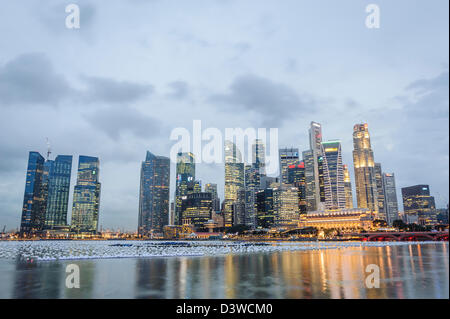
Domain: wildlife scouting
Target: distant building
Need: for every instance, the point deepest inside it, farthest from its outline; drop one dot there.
(390, 198)
(259, 156)
(296, 178)
(346, 220)
(33, 209)
(269, 182)
(333, 175)
(418, 202)
(315, 145)
(185, 181)
(265, 214)
(197, 209)
(234, 183)
(212, 188)
(380, 192)
(86, 197)
(288, 156)
(348, 188)
(252, 185)
(308, 159)
(154, 195)
(366, 186)
(277, 207)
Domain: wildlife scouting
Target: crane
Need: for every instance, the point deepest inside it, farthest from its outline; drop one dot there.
(49, 151)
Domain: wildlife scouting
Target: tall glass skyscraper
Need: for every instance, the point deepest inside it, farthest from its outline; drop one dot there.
(390, 197)
(58, 191)
(315, 145)
(185, 182)
(333, 175)
(380, 192)
(154, 194)
(296, 174)
(366, 186)
(86, 197)
(348, 188)
(418, 203)
(288, 157)
(33, 209)
(252, 185)
(259, 156)
(234, 183)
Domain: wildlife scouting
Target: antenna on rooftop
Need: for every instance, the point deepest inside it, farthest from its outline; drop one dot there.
(49, 151)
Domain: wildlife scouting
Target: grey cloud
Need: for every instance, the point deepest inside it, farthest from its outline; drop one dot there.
(180, 89)
(115, 121)
(30, 79)
(271, 100)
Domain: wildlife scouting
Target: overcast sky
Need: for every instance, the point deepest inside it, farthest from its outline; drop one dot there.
(135, 70)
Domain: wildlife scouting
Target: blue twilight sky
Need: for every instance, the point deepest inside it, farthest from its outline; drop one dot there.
(136, 69)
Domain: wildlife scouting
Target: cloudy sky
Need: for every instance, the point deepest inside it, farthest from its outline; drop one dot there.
(137, 69)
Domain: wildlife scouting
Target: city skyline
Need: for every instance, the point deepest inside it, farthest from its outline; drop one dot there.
(174, 70)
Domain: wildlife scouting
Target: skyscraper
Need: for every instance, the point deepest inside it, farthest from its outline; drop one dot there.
(259, 156)
(348, 188)
(333, 175)
(212, 188)
(86, 197)
(296, 178)
(234, 182)
(315, 145)
(33, 212)
(390, 198)
(185, 181)
(309, 181)
(59, 173)
(252, 185)
(418, 202)
(288, 156)
(380, 192)
(196, 209)
(366, 186)
(154, 194)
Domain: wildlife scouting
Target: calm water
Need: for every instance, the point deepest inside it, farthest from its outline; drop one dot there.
(410, 271)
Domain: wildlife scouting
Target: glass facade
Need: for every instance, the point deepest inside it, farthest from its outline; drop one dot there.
(288, 156)
(234, 183)
(86, 197)
(197, 209)
(333, 175)
(296, 178)
(154, 194)
(380, 192)
(348, 188)
(418, 201)
(185, 181)
(390, 197)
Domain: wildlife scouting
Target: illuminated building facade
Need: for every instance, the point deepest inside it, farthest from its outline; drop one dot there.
(296, 178)
(346, 220)
(309, 181)
(86, 197)
(196, 209)
(234, 183)
(380, 192)
(366, 186)
(418, 202)
(154, 194)
(185, 181)
(390, 198)
(212, 188)
(286, 207)
(252, 185)
(333, 175)
(288, 156)
(58, 189)
(348, 188)
(315, 145)
(265, 214)
(33, 209)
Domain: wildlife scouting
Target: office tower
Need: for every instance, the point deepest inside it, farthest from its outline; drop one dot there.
(333, 175)
(154, 195)
(234, 182)
(315, 145)
(33, 213)
(321, 178)
(380, 192)
(212, 188)
(288, 156)
(348, 188)
(196, 209)
(390, 198)
(296, 178)
(265, 215)
(252, 185)
(259, 156)
(48, 170)
(366, 186)
(286, 207)
(185, 181)
(309, 181)
(86, 196)
(417, 202)
(58, 188)
(268, 182)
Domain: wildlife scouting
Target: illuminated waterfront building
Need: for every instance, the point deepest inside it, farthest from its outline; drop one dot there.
(185, 181)
(154, 194)
(265, 215)
(33, 212)
(286, 207)
(390, 198)
(196, 209)
(296, 178)
(366, 186)
(234, 183)
(347, 220)
(288, 156)
(57, 191)
(348, 188)
(417, 202)
(333, 175)
(380, 192)
(86, 197)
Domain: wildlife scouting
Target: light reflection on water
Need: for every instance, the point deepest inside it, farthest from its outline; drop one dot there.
(411, 271)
